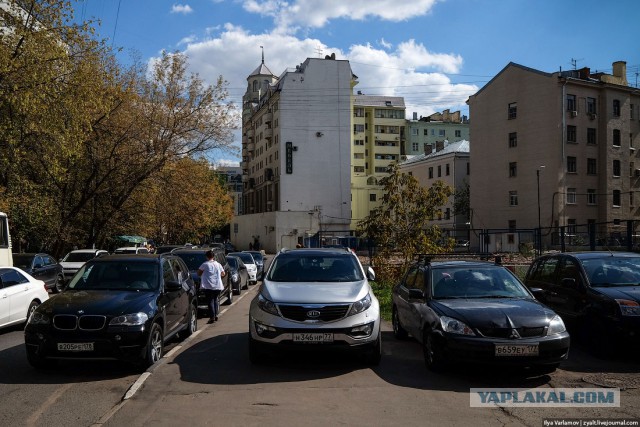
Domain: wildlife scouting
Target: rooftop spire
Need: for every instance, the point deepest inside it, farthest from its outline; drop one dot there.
(261, 47)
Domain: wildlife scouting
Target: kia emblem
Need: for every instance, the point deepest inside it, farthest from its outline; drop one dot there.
(313, 313)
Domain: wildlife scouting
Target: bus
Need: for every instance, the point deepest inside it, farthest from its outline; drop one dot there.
(6, 257)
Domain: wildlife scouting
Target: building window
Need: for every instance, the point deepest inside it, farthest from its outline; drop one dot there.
(616, 168)
(571, 134)
(571, 226)
(358, 142)
(459, 133)
(446, 169)
(571, 165)
(513, 110)
(441, 132)
(372, 197)
(414, 146)
(616, 108)
(433, 132)
(591, 105)
(358, 155)
(571, 196)
(439, 171)
(592, 168)
(513, 169)
(358, 128)
(431, 173)
(426, 132)
(513, 198)
(357, 169)
(616, 137)
(591, 136)
(616, 198)
(414, 131)
(571, 103)
(513, 139)
(591, 196)
(512, 225)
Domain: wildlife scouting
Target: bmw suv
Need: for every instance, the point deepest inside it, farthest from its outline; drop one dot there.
(314, 299)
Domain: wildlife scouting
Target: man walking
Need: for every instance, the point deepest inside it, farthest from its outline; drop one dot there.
(211, 274)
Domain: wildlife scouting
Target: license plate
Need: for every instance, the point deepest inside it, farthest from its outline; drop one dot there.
(75, 346)
(516, 350)
(313, 337)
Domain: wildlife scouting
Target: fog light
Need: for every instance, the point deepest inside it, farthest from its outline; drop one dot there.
(361, 331)
(117, 338)
(263, 330)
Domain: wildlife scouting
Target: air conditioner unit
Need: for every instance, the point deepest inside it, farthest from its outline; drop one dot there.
(574, 113)
(637, 173)
(593, 116)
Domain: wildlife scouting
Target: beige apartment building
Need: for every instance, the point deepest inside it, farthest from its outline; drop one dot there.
(378, 133)
(554, 150)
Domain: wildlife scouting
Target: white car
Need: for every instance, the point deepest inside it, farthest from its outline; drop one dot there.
(72, 261)
(316, 299)
(132, 250)
(20, 294)
(250, 262)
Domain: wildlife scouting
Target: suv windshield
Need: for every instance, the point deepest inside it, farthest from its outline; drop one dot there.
(476, 282)
(124, 275)
(315, 268)
(613, 271)
(79, 256)
(193, 259)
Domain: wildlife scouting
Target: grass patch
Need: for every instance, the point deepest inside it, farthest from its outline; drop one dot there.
(382, 291)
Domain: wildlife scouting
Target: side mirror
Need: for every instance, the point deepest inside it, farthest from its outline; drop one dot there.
(416, 294)
(172, 285)
(570, 283)
(37, 266)
(537, 293)
(371, 275)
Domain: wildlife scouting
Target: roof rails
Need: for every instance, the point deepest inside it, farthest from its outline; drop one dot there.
(426, 258)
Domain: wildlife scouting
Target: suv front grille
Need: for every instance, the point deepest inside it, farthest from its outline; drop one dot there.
(324, 313)
(71, 322)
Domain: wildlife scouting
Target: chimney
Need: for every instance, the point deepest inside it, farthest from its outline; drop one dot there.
(585, 73)
(415, 115)
(439, 146)
(620, 71)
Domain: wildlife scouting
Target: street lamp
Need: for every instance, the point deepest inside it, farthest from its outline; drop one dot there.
(539, 223)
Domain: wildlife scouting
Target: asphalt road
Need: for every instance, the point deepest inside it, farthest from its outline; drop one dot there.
(208, 380)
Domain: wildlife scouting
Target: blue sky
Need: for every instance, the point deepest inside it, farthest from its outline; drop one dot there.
(433, 53)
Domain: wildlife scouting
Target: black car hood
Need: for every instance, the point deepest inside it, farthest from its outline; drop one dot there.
(496, 313)
(620, 292)
(100, 302)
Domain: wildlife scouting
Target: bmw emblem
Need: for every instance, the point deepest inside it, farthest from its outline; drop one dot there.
(313, 314)
(80, 312)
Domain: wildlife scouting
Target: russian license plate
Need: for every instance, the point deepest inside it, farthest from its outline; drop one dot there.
(311, 337)
(516, 350)
(75, 346)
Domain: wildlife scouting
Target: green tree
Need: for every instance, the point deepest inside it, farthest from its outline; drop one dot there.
(400, 225)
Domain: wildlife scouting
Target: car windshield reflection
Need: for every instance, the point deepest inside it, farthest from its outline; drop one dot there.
(315, 269)
(613, 271)
(452, 283)
(116, 276)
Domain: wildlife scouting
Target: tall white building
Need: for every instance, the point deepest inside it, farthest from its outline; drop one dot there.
(296, 150)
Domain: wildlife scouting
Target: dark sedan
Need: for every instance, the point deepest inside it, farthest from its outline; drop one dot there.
(239, 275)
(476, 312)
(41, 266)
(596, 293)
(122, 307)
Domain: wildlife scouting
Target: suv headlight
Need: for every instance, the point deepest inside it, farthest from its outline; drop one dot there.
(454, 326)
(267, 305)
(628, 307)
(360, 306)
(133, 319)
(37, 318)
(556, 326)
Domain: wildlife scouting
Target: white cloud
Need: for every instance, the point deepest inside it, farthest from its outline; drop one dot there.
(187, 40)
(385, 44)
(313, 13)
(181, 8)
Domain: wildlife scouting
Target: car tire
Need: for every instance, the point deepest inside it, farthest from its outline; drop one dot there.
(37, 360)
(374, 355)
(256, 354)
(433, 358)
(192, 324)
(229, 300)
(398, 331)
(32, 307)
(155, 346)
(58, 286)
(239, 290)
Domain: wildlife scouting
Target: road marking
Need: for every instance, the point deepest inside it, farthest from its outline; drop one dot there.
(134, 388)
(47, 403)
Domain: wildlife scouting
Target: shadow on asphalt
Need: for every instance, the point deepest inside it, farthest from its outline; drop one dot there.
(224, 359)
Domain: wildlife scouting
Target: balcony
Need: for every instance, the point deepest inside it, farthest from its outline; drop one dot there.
(268, 133)
(251, 147)
(267, 117)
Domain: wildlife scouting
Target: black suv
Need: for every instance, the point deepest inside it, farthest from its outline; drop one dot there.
(194, 259)
(596, 293)
(476, 312)
(121, 307)
(41, 266)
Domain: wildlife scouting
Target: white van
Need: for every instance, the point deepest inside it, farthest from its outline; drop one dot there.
(6, 257)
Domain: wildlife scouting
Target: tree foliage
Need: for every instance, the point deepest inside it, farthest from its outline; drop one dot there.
(400, 226)
(81, 136)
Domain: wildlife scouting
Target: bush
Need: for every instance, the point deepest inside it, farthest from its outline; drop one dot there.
(382, 291)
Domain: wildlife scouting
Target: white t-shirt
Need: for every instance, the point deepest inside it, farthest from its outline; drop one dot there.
(211, 275)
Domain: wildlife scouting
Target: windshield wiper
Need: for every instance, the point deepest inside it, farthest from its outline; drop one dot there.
(494, 296)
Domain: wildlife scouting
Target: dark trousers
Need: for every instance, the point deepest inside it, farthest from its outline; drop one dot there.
(211, 297)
